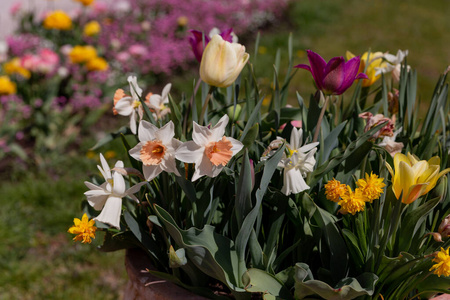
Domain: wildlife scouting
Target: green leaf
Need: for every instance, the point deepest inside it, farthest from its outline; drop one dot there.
(212, 253)
(259, 281)
(348, 288)
(110, 137)
(244, 190)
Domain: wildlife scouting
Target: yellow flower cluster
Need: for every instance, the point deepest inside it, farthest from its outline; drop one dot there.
(84, 229)
(442, 260)
(369, 189)
(88, 55)
(14, 67)
(91, 28)
(58, 20)
(85, 2)
(7, 87)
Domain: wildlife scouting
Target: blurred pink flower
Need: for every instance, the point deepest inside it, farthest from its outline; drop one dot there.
(137, 50)
(372, 121)
(15, 8)
(294, 123)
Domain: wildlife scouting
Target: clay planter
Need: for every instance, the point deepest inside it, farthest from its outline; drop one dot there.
(142, 285)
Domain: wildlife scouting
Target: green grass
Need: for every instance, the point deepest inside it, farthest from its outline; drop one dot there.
(38, 258)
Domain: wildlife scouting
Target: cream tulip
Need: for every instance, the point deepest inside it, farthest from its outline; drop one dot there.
(222, 62)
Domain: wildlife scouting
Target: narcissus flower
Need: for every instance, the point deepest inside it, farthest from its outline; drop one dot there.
(157, 103)
(352, 201)
(296, 162)
(177, 258)
(130, 105)
(442, 260)
(414, 177)
(156, 149)
(7, 87)
(222, 62)
(84, 229)
(209, 149)
(373, 61)
(334, 190)
(393, 62)
(334, 77)
(371, 186)
(91, 28)
(108, 196)
(58, 20)
(390, 144)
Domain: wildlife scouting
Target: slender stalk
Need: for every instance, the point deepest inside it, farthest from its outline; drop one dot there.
(205, 105)
(319, 121)
(191, 102)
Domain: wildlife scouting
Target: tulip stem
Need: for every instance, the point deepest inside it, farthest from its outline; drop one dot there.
(191, 103)
(319, 121)
(205, 105)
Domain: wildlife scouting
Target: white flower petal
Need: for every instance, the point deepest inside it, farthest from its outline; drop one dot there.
(150, 172)
(166, 133)
(133, 122)
(308, 147)
(293, 182)
(124, 106)
(119, 184)
(189, 152)
(135, 90)
(165, 93)
(111, 212)
(205, 167)
(169, 165)
(218, 131)
(105, 170)
(237, 145)
(135, 152)
(135, 188)
(201, 135)
(146, 131)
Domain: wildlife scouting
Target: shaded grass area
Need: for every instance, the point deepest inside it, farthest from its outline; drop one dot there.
(38, 258)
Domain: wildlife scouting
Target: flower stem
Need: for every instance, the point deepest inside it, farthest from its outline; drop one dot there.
(319, 121)
(191, 103)
(205, 105)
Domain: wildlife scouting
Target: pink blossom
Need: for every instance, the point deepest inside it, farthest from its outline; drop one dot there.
(15, 8)
(372, 121)
(294, 123)
(138, 50)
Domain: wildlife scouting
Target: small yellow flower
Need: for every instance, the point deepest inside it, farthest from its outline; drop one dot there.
(110, 154)
(97, 64)
(371, 186)
(14, 67)
(442, 260)
(91, 28)
(334, 190)
(58, 20)
(81, 54)
(84, 229)
(7, 87)
(372, 60)
(352, 202)
(182, 21)
(85, 2)
(262, 50)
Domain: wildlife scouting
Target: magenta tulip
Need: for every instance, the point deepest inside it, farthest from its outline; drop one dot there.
(334, 77)
(196, 41)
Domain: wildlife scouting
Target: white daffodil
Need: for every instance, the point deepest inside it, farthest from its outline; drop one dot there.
(210, 150)
(108, 196)
(156, 149)
(394, 62)
(390, 144)
(157, 103)
(130, 105)
(296, 161)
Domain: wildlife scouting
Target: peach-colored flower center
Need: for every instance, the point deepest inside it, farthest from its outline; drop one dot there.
(219, 153)
(152, 153)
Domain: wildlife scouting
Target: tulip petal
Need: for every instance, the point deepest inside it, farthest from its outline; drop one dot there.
(414, 193)
(318, 65)
(350, 70)
(334, 75)
(303, 66)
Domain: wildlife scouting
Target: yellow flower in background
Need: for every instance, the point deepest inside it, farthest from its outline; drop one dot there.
(58, 20)
(374, 60)
(92, 28)
(84, 229)
(334, 190)
(414, 177)
(352, 201)
(442, 260)
(7, 87)
(110, 154)
(14, 67)
(85, 2)
(222, 62)
(371, 186)
(81, 54)
(97, 64)
(182, 21)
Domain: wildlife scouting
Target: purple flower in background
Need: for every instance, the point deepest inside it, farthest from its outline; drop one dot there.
(334, 77)
(196, 40)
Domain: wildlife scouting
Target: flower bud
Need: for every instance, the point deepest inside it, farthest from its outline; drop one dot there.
(177, 258)
(222, 62)
(444, 228)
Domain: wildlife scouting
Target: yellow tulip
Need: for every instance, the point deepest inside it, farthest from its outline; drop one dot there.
(374, 60)
(91, 28)
(222, 62)
(57, 20)
(7, 87)
(414, 177)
